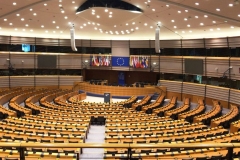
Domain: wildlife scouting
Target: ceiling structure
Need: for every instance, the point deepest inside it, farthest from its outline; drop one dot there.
(180, 19)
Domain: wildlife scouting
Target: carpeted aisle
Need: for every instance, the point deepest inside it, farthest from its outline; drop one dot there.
(96, 135)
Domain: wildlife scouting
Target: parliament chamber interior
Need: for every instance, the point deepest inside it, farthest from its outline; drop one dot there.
(122, 79)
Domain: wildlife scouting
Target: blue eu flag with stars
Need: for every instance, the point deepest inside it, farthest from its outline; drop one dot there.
(120, 61)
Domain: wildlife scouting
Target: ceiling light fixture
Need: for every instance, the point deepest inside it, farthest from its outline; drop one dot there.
(201, 24)
(230, 5)
(205, 16)
(22, 19)
(5, 19)
(196, 16)
(167, 5)
(196, 3)
(119, 4)
(14, 3)
(34, 14)
(218, 9)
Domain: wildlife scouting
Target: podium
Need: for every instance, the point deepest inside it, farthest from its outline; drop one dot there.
(107, 97)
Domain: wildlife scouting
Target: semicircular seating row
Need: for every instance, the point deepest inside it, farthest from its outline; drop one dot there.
(56, 116)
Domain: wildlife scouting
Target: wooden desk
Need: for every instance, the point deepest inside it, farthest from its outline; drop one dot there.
(117, 90)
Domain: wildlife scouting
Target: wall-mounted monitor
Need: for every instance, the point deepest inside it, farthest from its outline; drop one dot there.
(47, 61)
(194, 66)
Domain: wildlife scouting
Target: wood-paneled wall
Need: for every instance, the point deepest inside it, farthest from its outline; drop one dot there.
(112, 76)
(194, 91)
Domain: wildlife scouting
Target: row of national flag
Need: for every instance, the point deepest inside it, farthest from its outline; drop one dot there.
(132, 61)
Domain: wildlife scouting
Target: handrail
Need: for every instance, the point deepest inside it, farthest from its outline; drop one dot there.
(119, 145)
(129, 146)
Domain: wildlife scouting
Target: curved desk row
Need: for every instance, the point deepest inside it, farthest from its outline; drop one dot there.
(117, 90)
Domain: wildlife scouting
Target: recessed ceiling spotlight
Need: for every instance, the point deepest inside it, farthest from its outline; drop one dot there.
(34, 14)
(196, 16)
(218, 28)
(132, 29)
(60, 5)
(188, 25)
(93, 23)
(133, 23)
(179, 11)
(126, 24)
(190, 31)
(153, 9)
(110, 16)
(17, 14)
(174, 26)
(69, 23)
(5, 19)
(42, 26)
(14, 3)
(62, 11)
(106, 10)
(145, 24)
(97, 24)
(201, 24)
(89, 22)
(172, 21)
(185, 19)
(186, 10)
(75, 7)
(232, 27)
(213, 21)
(218, 9)
(93, 13)
(57, 27)
(95, 28)
(22, 19)
(151, 26)
(211, 29)
(136, 28)
(110, 12)
(93, 10)
(81, 27)
(230, 5)
(53, 22)
(84, 24)
(10, 24)
(239, 15)
(45, 4)
(46, 31)
(66, 17)
(115, 25)
(73, 1)
(30, 9)
(98, 16)
(196, 3)
(167, 5)
(205, 16)
(26, 25)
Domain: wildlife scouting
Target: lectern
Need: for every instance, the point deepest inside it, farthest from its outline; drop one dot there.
(107, 97)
